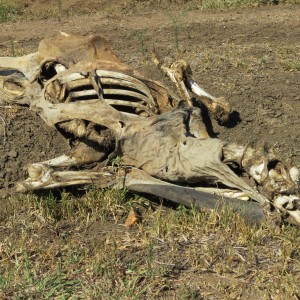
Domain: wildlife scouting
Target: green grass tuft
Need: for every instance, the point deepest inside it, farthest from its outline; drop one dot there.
(9, 10)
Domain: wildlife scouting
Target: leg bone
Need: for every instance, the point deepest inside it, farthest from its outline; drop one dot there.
(54, 179)
(180, 73)
(219, 107)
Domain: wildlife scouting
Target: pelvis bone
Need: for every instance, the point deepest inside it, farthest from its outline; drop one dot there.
(80, 86)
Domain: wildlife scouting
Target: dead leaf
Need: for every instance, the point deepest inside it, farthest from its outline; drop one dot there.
(132, 218)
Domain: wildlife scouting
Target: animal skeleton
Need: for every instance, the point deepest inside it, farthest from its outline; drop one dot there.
(81, 87)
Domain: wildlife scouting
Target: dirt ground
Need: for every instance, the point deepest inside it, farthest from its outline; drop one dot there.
(250, 56)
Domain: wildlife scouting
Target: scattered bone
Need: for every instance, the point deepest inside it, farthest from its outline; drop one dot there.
(64, 34)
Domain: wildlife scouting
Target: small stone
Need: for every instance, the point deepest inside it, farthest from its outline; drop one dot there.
(12, 153)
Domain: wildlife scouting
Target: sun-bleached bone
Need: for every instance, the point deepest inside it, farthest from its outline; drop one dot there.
(61, 161)
(27, 64)
(294, 173)
(137, 181)
(181, 75)
(54, 179)
(72, 77)
(83, 88)
(229, 193)
(196, 89)
(289, 206)
(128, 81)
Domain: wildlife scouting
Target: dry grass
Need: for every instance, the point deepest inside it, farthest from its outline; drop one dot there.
(228, 4)
(67, 247)
(60, 9)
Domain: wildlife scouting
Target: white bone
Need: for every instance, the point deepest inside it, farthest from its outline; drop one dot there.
(295, 217)
(129, 84)
(142, 89)
(84, 93)
(126, 93)
(196, 89)
(59, 68)
(61, 161)
(294, 173)
(117, 92)
(256, 171)
(112, 74)
(224, 193)
(281, 201)
(27, 64)
(274, 175)
(180, 74)
(72, 77)
(64, 34)
(38, 170)
(109, 77)
(54, 179)
(286, 204)
(179, 83)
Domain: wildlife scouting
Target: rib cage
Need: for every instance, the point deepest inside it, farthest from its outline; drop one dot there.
(123, 92)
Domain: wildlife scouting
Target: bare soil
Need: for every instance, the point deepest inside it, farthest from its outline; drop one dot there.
(249, 56)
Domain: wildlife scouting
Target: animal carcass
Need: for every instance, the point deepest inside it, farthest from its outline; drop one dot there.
(80, 86)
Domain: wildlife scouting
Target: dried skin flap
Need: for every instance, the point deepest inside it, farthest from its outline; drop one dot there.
(74, 49)
(164, 148)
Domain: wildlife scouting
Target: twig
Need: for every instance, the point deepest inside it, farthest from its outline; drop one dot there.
(4, 129)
